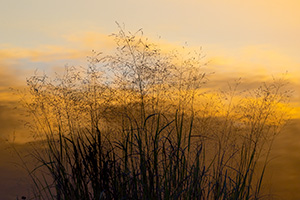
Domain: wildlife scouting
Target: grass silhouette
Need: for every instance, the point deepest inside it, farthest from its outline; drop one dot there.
(136, 124)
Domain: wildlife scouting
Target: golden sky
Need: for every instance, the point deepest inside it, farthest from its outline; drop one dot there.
(257, 39)
(254, 40)
(228, 24)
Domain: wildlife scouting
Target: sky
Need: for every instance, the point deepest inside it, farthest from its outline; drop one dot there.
(254, 40)
(239, 38)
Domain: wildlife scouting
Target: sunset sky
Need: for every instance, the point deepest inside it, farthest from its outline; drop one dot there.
(254, 40)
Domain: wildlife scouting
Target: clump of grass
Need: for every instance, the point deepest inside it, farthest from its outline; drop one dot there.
(136, 125)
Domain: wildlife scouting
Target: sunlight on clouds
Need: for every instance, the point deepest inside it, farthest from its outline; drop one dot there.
(257, 64)
(6, 96)
(91, 40)
(256, 61)
(254, 64)
(43, 53)
(105, 43)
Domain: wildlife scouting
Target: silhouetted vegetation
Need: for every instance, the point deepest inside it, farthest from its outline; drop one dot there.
(138, 124)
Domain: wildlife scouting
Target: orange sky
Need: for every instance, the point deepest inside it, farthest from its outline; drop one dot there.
(254, 40)
(245, 37)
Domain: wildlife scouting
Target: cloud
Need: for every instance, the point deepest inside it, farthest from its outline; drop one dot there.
(91, 40)
(43, 53)
(77, 46)
(254, 64)
(258, 63)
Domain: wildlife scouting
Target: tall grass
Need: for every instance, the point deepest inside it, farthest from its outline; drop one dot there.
(136, 125)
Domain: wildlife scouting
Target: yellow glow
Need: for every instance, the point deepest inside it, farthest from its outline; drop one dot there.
(259, 63)
(42, 54)
(91, 40)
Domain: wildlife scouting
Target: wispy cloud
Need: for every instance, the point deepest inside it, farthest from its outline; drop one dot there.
(91, 40)
(44, 53)
(254, 64)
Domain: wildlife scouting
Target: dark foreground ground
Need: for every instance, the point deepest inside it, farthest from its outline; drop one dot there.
(282, 178)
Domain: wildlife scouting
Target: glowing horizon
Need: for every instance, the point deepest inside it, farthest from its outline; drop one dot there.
(253, 64)
(252, 40)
